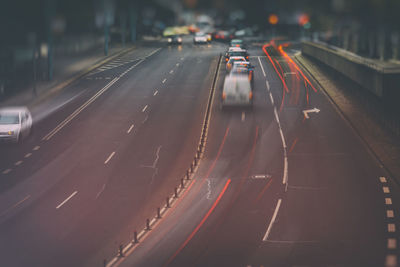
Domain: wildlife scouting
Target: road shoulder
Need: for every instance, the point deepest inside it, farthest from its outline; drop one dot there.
(381, 142)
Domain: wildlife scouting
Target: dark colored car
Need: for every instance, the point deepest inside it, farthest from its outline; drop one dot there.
(174, 39)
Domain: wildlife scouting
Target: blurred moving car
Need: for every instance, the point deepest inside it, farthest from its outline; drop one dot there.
(174, 39)
(236, 52)
(15, 123)
(231, 60)
(237, 91)
(200, 38)
(222, 35)
(237, 43)
(240, 70)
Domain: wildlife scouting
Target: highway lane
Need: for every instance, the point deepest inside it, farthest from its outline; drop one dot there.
(339, 206)
(83, 192)
(245, 148)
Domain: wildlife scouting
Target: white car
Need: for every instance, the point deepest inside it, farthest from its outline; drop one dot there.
(237, 91)
(231, 60)
(15, 123)
(200, 38)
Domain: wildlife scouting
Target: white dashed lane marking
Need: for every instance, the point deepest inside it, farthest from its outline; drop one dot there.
(155, 93)
(66, 200)
(391, 259)
(130, 129)
(36, 148)
(109, 157)
(18, 163)
(391, 243)
(144, 109)
(28, 155)
(391, 227)
(390, 214)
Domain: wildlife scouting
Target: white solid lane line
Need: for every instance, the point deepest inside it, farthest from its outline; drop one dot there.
(130, 128)
(144, 109)
(92, 99)
(265, 238)
(262, 68)
(66, 200)
(109, 157)
(79, 110)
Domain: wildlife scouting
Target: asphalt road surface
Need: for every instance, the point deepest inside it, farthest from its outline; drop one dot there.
(276, 186)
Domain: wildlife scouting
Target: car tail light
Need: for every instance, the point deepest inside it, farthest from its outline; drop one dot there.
(226, 59)
(251, 95)
(223, 95)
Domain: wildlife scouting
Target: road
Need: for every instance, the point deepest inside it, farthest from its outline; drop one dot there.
(115, 147)
(279, 185)
(272, 188)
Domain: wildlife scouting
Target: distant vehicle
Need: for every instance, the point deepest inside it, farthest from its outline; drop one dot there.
(229, 64)
(200, 38)
(15, 123)
(236, 52)
(174, 39)
(237, 91)
(237, 43)
(222, 35)
(239, 70)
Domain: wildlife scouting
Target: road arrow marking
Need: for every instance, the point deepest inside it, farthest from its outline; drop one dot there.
(305, 112)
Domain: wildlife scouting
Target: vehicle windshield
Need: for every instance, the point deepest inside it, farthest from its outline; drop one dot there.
(9, 119)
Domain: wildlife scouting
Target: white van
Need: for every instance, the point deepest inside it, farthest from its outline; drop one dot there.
(237, 91)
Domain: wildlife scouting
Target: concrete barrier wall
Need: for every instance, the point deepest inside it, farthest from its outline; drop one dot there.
(380, 78)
